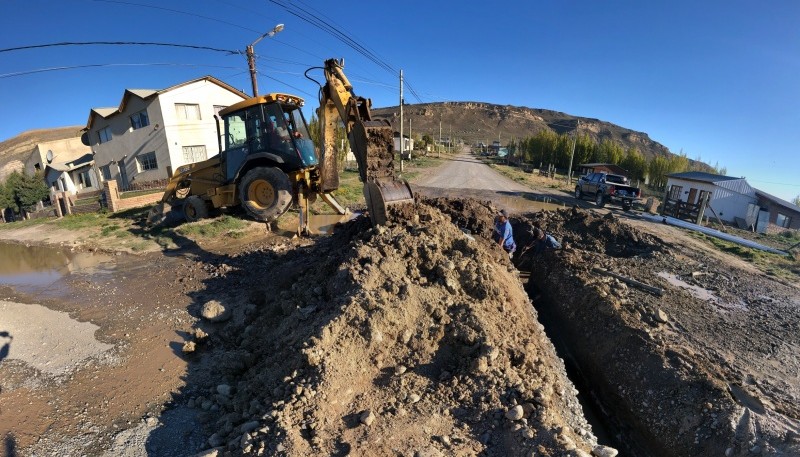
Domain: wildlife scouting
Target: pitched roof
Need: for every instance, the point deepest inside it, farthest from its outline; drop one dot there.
(701, 176)
(146, 93)
(777, 200)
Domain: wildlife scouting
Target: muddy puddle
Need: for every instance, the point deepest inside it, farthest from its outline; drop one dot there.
(700, 293)
(324, 224)
(27, 330)
(38, 269)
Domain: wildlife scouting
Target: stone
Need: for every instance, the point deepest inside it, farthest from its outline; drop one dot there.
(661, 316)
(400, 369)
(604, 451)
(188, 347)
(248, 427)
(224, 389)
(367, 417)
(215, 311)
(516, 413)
(413, 398)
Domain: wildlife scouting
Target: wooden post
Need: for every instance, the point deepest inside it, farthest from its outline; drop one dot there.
(702, 209)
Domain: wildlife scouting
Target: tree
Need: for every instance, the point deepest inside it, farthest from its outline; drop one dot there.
(27, 190)
(796, 200)
(635, 163)
(426, 140)
(6, 199)
(658, 169)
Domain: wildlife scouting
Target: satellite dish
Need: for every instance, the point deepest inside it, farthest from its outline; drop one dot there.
(49, 156)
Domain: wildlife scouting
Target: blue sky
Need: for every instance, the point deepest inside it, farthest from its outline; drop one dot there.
(717, 80)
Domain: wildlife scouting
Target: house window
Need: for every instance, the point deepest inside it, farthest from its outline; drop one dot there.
(147, 161)
(105, 171)
(193, 154)
(104, 135)
(783, 220)
(675, 192)
(140, 120)
(189, 112)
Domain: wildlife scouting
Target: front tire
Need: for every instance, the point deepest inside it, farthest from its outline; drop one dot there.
(265, 193)
(578, 193)
(626, 206)
(600, 200)
(194, 208)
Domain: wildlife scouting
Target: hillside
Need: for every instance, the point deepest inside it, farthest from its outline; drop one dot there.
(475, 122)
(14, 151)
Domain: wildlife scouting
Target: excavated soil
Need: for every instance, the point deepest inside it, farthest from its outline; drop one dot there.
(410, 339)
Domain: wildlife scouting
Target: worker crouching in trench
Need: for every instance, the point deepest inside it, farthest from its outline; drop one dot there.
(535, 244)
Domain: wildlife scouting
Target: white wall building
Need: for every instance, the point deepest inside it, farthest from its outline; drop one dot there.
(153, 132)
(730, 197)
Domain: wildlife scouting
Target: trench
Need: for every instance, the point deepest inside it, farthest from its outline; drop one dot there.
(609, 429)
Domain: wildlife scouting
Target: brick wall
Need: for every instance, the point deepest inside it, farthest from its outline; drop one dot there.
(116, 203)
(140, 200)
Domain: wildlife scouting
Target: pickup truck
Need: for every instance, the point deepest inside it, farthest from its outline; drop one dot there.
(604, 187)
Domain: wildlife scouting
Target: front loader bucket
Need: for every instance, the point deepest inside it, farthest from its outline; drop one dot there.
(383, 193)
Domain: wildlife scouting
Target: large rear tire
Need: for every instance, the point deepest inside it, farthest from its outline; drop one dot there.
(266, 193)
(194, 208)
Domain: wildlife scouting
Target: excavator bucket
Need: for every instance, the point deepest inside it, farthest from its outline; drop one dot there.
(382, 194)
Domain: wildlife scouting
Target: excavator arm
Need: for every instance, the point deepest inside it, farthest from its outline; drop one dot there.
(372, 143)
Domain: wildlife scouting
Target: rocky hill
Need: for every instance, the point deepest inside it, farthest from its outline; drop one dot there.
(474, 122)
(14, 151)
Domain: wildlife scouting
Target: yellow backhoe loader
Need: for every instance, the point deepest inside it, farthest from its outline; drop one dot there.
(269, 161)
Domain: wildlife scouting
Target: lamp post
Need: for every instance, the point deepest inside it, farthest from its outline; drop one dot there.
(251, 56)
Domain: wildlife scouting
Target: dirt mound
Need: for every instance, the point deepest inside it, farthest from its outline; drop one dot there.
(411, 339)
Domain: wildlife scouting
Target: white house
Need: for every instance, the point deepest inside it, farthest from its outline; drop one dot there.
(74, 176)
(730, 197)
(153, 132)
(67, 165)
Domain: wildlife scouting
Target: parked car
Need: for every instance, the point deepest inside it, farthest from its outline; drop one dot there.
(605, 187)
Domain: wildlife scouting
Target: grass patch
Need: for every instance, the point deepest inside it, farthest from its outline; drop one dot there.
(107, 229)
(225, 225)
(785, 267)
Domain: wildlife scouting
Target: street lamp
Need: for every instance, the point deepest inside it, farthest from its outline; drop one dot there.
(251, 57)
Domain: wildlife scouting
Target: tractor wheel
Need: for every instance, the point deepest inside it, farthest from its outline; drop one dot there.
(266, 193)
(600, 200)
(194, 208)
(626, 206)
(578, 193)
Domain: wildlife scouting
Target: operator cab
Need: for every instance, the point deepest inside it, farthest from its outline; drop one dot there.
(272, 127)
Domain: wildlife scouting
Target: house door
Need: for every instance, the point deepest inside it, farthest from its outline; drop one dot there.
(692, 195)
(123, 174)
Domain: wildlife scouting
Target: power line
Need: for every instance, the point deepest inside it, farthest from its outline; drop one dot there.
(317, 19)
(137, 43)
(232, 24)
(73, 67)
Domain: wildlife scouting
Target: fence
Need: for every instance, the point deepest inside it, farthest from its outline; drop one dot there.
(119, 201)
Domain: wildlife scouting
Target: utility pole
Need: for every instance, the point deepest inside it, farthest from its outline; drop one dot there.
(402, 141)
(411, 147)
(251, 56)
(572, 155)
(438, 151)
(449, 138)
